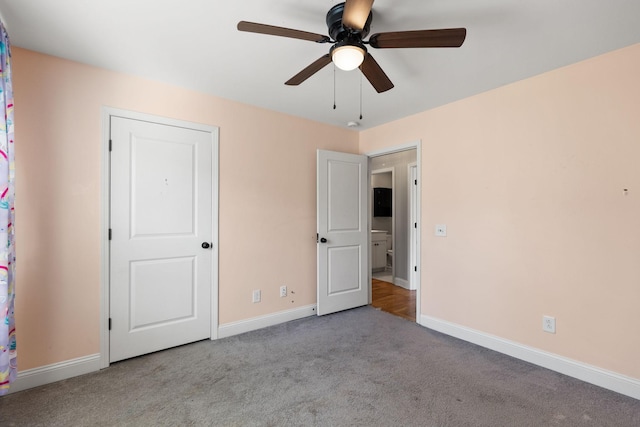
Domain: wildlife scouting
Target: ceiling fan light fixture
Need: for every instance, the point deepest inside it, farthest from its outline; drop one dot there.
(347, 57)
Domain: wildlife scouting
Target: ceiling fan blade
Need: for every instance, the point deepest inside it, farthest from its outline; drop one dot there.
(252, 27)
(356, 13)
(451, 37)
(316, 66)
(375, 75)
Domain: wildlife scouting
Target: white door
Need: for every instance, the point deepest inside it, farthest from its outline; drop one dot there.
(343, 243)
(161, 210)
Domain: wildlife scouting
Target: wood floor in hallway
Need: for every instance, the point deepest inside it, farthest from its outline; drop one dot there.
(393, 299)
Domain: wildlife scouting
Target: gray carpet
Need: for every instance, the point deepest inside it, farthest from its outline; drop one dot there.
(361, 367)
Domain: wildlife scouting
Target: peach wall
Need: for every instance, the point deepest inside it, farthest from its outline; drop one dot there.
(267, 199)
(529, 180)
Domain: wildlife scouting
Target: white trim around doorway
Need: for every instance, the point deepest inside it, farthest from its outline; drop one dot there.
(417, 145)
(390, 170)
(412, 174)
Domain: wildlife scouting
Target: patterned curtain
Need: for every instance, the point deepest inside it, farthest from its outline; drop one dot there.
(8, 366)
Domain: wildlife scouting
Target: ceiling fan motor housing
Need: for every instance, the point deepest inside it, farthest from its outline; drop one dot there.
(348, 41)
(337, 31)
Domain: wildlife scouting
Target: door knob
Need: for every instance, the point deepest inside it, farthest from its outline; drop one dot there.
(323, 240)
(206, 245)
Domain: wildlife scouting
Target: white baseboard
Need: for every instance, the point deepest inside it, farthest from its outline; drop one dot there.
(610, 380)
(83, 365)
(235, 328)
(401, 282)
(58, 371)
(587, 373)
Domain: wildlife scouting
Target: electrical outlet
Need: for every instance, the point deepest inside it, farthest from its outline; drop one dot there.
(283, 291)
(549, 324)
(257, 296)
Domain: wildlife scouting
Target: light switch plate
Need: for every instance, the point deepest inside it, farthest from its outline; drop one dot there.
(441, 230)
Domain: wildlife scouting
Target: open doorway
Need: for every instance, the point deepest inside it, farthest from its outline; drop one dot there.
(394, 231)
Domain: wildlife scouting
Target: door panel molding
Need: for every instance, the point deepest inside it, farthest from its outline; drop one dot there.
(107, 113)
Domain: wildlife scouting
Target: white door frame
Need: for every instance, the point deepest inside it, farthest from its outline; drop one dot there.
(395, 149)
(105, 220)
(393, 213)
(413, 235)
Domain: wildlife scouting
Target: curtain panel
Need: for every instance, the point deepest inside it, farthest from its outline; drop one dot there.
(8, 364)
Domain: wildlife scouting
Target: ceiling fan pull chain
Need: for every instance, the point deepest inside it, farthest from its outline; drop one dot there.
(334, 86)
(360, 96)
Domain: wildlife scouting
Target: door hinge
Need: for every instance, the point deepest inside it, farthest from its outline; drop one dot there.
(110, 145)
(317, 238)
(415, 225)
(109, 323)
(109, 234)
(415, 268)
(415, 182)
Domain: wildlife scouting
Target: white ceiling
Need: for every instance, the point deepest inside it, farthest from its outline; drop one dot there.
(195, 44)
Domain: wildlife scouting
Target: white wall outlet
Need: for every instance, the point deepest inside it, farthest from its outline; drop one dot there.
(283, 291)
(441, 230)
(257, 296)
(549, 324)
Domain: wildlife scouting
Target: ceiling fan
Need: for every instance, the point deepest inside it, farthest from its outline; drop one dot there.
(348, 25)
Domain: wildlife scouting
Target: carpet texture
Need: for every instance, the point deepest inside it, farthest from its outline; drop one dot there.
(361, 367)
